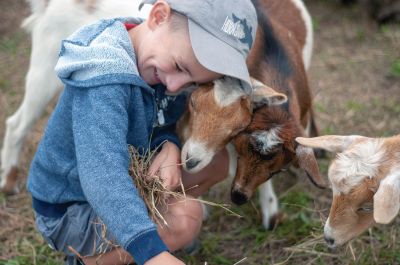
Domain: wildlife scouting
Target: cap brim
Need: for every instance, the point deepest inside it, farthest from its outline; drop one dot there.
(208, 51)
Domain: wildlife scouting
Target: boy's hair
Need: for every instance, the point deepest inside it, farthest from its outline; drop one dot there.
(177, 21)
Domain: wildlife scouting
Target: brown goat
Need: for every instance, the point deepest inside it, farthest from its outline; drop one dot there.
(218, 112)
(267, 145)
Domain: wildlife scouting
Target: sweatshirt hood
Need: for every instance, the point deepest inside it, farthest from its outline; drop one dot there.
(99, 54)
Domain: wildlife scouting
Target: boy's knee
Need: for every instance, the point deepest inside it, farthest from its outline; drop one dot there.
(184, 219)
(189, 216)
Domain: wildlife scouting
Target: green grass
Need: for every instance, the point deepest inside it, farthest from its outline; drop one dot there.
(5, 86)
(2, 198)
(384, 29)
(10, 45)
(360, 35)
(315, 24)
(33, 250)
(395, 68)
(329, 129)
(299, 221)
(320, 108)
(354, 105)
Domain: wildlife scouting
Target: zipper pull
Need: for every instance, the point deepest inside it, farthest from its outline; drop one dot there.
(160, 117)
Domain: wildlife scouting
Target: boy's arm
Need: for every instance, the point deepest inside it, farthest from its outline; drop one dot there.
(100, 125)
(163, 134)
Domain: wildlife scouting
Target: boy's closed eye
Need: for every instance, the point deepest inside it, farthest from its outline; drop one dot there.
(178, 67)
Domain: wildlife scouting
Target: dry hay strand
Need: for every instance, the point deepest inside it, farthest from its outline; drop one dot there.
(309, 247)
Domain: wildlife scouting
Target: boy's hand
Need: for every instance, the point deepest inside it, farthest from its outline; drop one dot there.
(164, 258)
(167, 163)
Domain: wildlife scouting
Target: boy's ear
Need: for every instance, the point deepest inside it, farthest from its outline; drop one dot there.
(331, 143)
(263, 95)
(387, 199)
(160, 13)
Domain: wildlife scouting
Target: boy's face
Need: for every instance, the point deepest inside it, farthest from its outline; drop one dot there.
(166, 55)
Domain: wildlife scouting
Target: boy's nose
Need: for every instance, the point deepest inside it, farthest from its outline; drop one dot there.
(173, 87)
(175, 83)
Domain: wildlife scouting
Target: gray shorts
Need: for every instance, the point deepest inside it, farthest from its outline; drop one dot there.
(79, 228)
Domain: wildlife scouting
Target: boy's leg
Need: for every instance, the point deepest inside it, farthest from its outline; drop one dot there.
(199, 183)
(184, 220)
(117, 256)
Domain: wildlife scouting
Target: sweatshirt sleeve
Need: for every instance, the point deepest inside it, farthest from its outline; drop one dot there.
(100, 126)
(163, 134)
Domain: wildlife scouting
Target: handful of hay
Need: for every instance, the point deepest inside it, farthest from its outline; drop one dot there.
(152, 190)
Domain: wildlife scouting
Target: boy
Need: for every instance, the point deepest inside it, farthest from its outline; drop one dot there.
(80, 170)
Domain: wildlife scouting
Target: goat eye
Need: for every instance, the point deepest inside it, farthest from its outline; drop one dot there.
(367, 208)
(269, 156)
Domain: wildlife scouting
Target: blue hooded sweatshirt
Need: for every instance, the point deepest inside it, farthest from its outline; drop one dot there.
(83, 155)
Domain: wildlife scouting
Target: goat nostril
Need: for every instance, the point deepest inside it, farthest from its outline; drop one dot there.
(191, 163)
(238, 198)
(329, 240)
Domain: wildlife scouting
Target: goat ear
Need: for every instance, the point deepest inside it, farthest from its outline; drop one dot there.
(331, 143)
(245, 102)
(307, 162)
(387, 199)
(264, 95)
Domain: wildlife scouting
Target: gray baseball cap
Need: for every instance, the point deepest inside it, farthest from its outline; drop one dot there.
(221, 32)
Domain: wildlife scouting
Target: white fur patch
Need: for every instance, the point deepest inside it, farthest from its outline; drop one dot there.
(268, 202)
(227, 90)
(353, 165)
(269, 139)
(328, 230)
(232, 160)
(196, 151)
(387, 198)
(393, 178)
(308, 47)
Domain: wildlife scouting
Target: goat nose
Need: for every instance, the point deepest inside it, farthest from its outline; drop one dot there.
(330, 241)
(191, 163)
(238, 197)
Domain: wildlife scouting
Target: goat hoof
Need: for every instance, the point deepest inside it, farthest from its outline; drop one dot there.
(275, 220)
(9, 184)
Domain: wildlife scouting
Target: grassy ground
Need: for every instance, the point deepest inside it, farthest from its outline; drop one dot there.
(355, 76)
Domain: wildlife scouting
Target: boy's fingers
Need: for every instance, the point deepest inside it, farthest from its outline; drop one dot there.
(155, 166)
(170, 178)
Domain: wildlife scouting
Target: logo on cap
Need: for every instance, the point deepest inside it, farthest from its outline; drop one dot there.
(238, 28)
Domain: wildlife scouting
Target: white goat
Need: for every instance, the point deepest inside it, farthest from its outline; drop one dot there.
(50, 22)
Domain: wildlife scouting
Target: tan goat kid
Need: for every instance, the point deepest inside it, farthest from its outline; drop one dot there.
(365, 179)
